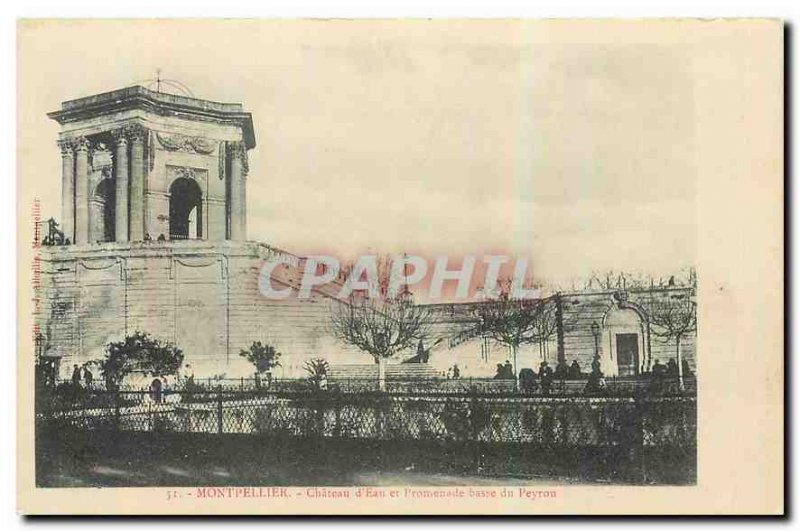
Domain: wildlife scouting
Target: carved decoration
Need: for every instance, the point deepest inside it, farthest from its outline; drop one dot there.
(238, 149)
(101, 156)
(197, 174)
(187, 144)
(135, 132)
(66, 146)
(81, 143)
(221, 168)
(54, 235)
(99, 146)
(151, 151)
(120, 136)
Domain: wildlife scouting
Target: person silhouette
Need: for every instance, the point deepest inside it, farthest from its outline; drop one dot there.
(545, 377)
(500, 374)
(76, 375)
(88, 377)
(508, 371)
(574, 371)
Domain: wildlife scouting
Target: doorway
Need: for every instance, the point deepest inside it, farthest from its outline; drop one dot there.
(628, 354)
(185, 210)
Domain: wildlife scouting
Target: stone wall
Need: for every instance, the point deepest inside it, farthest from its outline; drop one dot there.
(204, 297)
(201, 296)
(479, 357)
(581, 310)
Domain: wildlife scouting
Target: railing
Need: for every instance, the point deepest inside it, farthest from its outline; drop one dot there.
(570, 421)
(642, 438)
(623, 386)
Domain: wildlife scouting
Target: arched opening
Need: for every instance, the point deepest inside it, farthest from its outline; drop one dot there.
(624, 337)
(185, 210)
(102, 212)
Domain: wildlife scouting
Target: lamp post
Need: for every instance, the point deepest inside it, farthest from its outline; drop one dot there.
(596, 334)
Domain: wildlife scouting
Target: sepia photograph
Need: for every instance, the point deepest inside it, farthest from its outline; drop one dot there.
(400, 261)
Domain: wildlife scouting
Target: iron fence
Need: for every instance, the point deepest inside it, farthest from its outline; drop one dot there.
(614, 386)
(653, 421)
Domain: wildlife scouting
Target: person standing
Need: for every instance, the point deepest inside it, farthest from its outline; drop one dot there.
(508, 371)
(672, 368)
(155, 390)
(76, 376)
(500, 372)
(545, 377)
(574, 371)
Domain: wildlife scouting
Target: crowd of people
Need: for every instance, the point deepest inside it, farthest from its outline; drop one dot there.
(531, 380)
(670, 370)
(82, 376)
(453, 373)
(157, 388)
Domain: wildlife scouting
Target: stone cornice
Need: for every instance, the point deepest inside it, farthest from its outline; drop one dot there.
(137, 97)
(154, 248)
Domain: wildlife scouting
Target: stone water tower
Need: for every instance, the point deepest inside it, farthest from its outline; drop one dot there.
(153, 210)
(139, 164)
(153, 207)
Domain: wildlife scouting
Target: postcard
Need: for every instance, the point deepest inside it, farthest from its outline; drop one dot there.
(408, 267)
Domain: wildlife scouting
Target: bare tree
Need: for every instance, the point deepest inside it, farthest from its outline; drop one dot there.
(673, 320)
(382, 328)
(514, 322)
(621, 280)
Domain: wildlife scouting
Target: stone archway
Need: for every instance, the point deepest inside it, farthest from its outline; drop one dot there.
(185, 210)
(625, 339)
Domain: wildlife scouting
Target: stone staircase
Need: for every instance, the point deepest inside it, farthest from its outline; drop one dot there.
(404, 371)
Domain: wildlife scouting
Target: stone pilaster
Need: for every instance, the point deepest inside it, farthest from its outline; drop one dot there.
(121, 174)
(238, 198)
(81, 190)
(136, 134)
(67, 189)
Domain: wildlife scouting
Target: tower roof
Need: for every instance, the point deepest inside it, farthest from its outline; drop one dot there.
(138, 97)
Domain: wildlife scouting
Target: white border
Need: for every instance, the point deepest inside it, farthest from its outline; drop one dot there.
(10, 11)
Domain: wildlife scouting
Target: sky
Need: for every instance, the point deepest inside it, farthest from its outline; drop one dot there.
(429, 137)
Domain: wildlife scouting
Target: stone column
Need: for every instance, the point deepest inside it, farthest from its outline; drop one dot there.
(81, 191)
(238, 158)
(67, 189)
(121, 192)
(136, 206)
